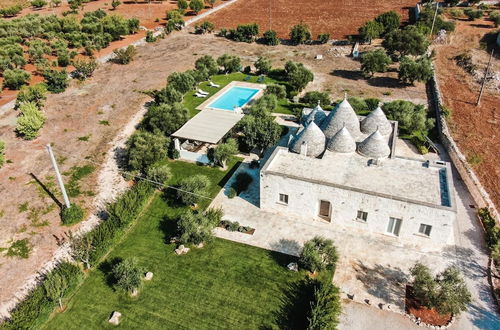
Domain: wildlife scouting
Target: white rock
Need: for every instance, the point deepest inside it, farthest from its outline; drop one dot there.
(199, 246)
(148, 276)
(293, 266)
(319, 57)
(134, 293)
(115, 318)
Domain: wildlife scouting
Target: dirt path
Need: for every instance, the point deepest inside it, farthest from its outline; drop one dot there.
(475, 129)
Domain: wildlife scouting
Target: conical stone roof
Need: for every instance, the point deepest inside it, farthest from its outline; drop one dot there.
(342, 115)
(374, 146)
(342, 142)
(317, 115)
(313, 137)
(376, 119)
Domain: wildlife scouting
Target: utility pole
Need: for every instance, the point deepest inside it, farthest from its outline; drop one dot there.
(484, 79)
(58, 176)
(270, 14)
(434, 19)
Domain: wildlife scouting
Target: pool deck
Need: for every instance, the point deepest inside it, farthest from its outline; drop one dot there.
(210, 100)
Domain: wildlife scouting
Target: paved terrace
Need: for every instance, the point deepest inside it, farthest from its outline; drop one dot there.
(397, 177)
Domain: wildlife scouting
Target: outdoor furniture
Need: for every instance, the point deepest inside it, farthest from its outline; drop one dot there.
(261, 79)
(202, 92)
(199, 95)
(214, 85)
(247, 78)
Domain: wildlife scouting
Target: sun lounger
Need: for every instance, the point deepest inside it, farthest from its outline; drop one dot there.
(247, 78)
(199, 95)
(202, 92)
(214, 85)
(261, 79)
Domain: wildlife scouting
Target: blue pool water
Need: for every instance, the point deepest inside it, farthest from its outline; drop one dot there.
(234, 97)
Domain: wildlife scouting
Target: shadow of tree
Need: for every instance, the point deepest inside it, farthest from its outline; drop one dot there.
(348, 74)
(387, 283)
(295, 305)
(106, 267)
(386, 82)
(467, 261)
(287, 246)
(168, 227)
(483, 319)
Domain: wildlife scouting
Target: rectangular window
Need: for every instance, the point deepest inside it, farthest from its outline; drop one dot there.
(283, 198)
(425, 229)
(394, 226)
(362, 216)
(324, 209)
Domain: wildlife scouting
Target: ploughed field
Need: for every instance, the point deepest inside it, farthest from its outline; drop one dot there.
(340, 18)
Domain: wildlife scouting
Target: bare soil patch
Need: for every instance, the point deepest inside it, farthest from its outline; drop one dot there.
(474, 128)
(339, 18)
(426, 315)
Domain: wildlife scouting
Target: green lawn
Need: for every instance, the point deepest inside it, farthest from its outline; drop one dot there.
(223, 285)
(191, 101)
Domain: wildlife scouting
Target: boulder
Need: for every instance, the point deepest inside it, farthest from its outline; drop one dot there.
(181, 250)
(148, 276)
(115, 318)
(293, 266)
(199, 246)
(134, 293)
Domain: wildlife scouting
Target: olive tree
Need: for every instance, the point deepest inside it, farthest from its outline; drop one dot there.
(182, 5)
(315, 97)
(263, 65)
(159, 173)
(390, 21)
(191, 189)
(374, 61)
(300, 33)
(318, 254)
(196, 6)
(145, 148)
(221, 153)
(127, 275)
(271, 38)
(412, 118)
(260, 132)
(165, 118)
(229, 63)
(57, 81)
(181, 81)
(411, 70)
(196, 228)
(409, 41)
(207, 64)
(371, 30)
(297, 75)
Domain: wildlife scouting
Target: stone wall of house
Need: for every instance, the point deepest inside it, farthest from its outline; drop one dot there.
(304, 200)
(476, 189)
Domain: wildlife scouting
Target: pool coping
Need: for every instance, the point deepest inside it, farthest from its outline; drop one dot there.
(211, 99)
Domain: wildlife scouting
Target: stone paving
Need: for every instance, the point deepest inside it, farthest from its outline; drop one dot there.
(373, 268)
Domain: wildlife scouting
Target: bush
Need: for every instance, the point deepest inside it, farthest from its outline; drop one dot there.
(263, 65)
(456, 13)
(196, 228)
(325, 307)
(374, 61)
(57, 81)
(300, 34)
(145, 148)
(115, 4)
(271, 38)
(372, 103)
(207, 64)
(419, 70)
(15, 78)
(60, 281)
(159, 173)
(473, 14)
(318, 254)
(243, 181)
(175, 14)
(274, 89)
(192, 189)
(495, 17)
(182, 5)
(84, 68)
(35, 94)
(297, 75)
(492, 230)
(127, 275)
(11, 11)
(229, 63)
(323, 38)
(183, 82)
(447, 292)
(150, 36)
(244, 33)
(464, 60)
(390, 21)
(232, 193)
(20, 248)
(315, 97)
(196, 6)
(412, 118)
(2, 153)
(38, 3)
(72, 215)
(371, 30)
(205, 27)
(124, 56)
(30, 121)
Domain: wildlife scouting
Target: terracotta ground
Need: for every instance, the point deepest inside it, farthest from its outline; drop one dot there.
(147, 13)
(426, 315)
(475, 129)
(110, 95)
(339, 18)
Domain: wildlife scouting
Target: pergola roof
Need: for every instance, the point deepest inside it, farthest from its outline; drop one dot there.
(208, 126)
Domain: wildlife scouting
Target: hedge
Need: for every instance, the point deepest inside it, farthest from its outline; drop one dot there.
(492, 231)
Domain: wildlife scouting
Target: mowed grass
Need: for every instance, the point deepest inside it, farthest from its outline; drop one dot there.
(191, 101)
(223, 285)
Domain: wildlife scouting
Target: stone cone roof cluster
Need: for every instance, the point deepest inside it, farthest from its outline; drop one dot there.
(339, 131)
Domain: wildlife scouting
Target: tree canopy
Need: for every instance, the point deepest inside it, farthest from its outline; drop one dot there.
(374, 61)
(145, 148)
(300, 33)
(411, 70)
(165, 118)
(412, 118)
(229, 63)
(297, 75)
(191, 189)
(409, 41)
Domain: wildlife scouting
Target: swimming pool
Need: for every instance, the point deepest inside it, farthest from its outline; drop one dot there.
(234, 97)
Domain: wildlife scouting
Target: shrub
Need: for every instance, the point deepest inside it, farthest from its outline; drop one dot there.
(232, 193)
(15, 78)
(325, 307)
(473, 14)
(358, 104)
(419, 70)
(492, 231)
(244, 32)
(274, 89)
(229, 63)
(207, 64)
(165, 118)
(243, 181)
(318, 254)
(174, 14)
(464, 60)
(11, 11)
(57, 81)
(495, 17)
(145, 148)
(159, 173)
(196, 228)
(169, 95)
(390, 21)
(371, 30)
(456, 13)
(38, 3)
(221, 153)
(412, 118)
(372, 103)
(192, 189)
(30, 121)
(115, 4)
(300, 34)
(315, 97)
(127, 275)
(150, 36)
(2, 153)
(182, 5)
(271, 38)
(72, 215)
(84, 68)
(60, 281)
(35, 94)
(205, 27)
(447, 292)
(196, 6)
(183, 82)
(374, 61)
(297, 75)
(124, 56)
(20, 248)
(323, 38)
(263, 65)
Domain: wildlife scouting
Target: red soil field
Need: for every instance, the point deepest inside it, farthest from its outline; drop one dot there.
(340, 18)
